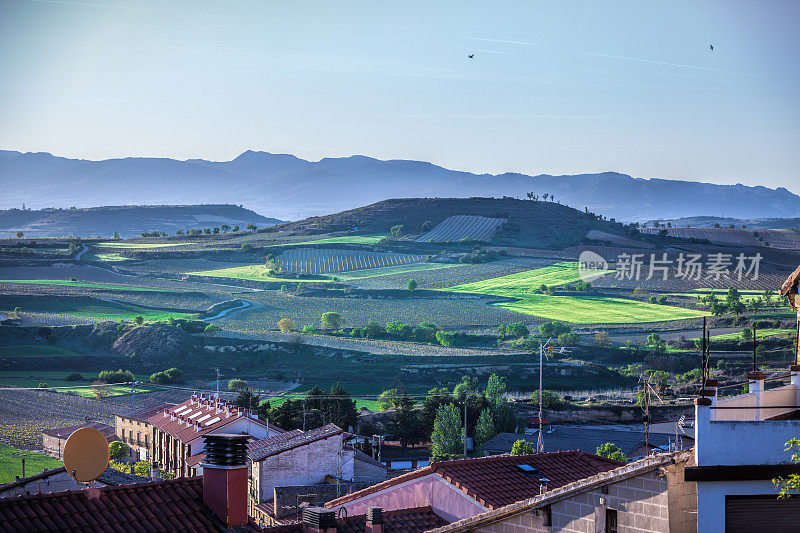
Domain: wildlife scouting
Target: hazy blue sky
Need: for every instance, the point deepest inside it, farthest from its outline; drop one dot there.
(555, 87)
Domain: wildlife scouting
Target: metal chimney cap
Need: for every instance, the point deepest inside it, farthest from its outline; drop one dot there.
(319, 517)
(375, 515)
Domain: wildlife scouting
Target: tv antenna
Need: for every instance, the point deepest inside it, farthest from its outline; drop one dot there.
(86, 455)
(542, 348)
(645, 390)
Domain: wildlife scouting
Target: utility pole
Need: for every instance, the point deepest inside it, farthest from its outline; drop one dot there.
(754, 347)
(465, 426)
(217, 370)
(540, 441)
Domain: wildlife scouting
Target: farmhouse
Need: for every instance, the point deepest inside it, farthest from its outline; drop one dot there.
(468, 487)
(178, 447)
(54, 440)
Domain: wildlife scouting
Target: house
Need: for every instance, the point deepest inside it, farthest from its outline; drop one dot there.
(177, 432)
(739, 449)
(468, 487)
(587, 438)
(376, 520)
(54, 440)
(312, 466)
(649, 495)
(217, 502)
(135, 430)
(57, 480)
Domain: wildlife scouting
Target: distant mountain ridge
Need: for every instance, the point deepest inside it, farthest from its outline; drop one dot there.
(127, 220)
(288, 187)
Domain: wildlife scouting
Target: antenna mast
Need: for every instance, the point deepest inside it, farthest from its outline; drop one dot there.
(540, 441)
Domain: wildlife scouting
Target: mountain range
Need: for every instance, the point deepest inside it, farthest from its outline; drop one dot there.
(289, 188)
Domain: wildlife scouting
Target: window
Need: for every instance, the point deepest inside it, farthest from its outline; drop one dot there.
(547, 516)
(611, 521)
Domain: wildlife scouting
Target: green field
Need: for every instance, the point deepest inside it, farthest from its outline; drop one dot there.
(140, 245)
(275, 401)
(105, 257)
(88, 307)
(251, 272)
(390, 270)
(597, 309)
(35, 350)
(760, 334)
(345, 239)
(88, 285)
(11, 463)
(524, 283)
(57, 380)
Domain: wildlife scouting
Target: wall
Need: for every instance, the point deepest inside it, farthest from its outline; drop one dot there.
(446, 500)
(682, 499)
(134, 433)
(736, 443)
(304, 465)
(641, 504)
(53, 446)
(711, 500)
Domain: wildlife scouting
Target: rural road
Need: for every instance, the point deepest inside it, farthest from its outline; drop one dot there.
(80, 254)
(224, 312)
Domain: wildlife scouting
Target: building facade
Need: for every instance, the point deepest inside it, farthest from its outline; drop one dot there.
(54, 440)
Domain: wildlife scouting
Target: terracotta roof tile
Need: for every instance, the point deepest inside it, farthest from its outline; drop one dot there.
(498, 480)
(164, 506)
(190, 419)
(414, 520)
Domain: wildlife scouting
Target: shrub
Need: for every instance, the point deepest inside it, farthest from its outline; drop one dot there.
(42, 385)
(211, 329)
(425, 332)
(550, 400)
(308, 329)
(173, 375)
(553, 329)
(75, 377)
(515, 329)
(139, 319)
(411, 285)
(399, 330)
(522, 447)
(568, 339)
(116, 376)
(286, 325)
(373, 330)
(331, 320)
(445, 339)
(237, 385)
(117, 449)
(610, 450)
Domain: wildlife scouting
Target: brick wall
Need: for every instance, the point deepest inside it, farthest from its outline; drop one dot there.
(640, 502)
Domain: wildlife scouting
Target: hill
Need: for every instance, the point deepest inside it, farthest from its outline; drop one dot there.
(293, 188)
(725, 222)
(537, 224)
(127, 220)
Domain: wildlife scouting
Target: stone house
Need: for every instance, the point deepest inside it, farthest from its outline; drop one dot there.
(54, 440)
(135, 430)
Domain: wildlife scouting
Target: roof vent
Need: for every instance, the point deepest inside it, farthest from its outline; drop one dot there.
(375, 515)
(319, 518)
(225, 449)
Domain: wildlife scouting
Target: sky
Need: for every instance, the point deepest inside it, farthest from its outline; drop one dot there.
(554, 87)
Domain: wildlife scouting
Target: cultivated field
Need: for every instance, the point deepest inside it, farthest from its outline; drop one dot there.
(325, 261)
(523, 283)
(460, 227)
(249, 272)
(353, 275)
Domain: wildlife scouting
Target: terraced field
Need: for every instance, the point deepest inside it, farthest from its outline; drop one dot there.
(393, 270)
(83, 284)
(344, 239)
(597, 309)
(325, 261)
(724, 236)
(523, 283)
(459, 227)
(86, 309)
(141, 245)
(249, 272)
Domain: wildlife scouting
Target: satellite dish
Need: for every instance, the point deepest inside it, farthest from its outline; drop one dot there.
(86, 455)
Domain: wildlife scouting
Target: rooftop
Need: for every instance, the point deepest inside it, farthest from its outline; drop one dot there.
(414, 520)
(260, 449)
(163, 506)
(109, 477)
(200, 415)
(498, 480)
(65, 432)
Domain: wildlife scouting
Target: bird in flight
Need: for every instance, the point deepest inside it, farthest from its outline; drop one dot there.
(471, 56)
(711, 46)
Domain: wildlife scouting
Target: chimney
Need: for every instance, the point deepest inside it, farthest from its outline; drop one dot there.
(319, 520)
(374, 520)
(225, 477)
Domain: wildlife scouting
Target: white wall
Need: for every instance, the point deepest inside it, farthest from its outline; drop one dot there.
(711, 500)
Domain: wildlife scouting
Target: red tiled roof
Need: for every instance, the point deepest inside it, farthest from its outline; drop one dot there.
(497, 480)
(164, 506)
(65, 432)
(143, 414)
(414, 520)
(192, 460)
(260, 449)
(190, 420)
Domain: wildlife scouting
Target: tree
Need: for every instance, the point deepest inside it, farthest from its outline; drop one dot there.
(411, 285)
(390, 399)
(216, 231)
(495, 389)
(768, 295)
(756, 304)
(568, 339)
(445, 339)
(237, 384)
(467, 387)
(116, 235)
(601, 339)
(174, 375)
(430, 405)
(339, 409)
(610, 450)
(207, 231)
(116, 376)
(522, 447)
(236, 229)
(139, 319)
(405, 423)
(448, 435)
(250, 226)
(550, 400)
(331, 320)
(286, 325)
(553, 329)
(790, 484)
(514, 329)
(485, 428)
(225, 228)
(246, 399)
(100, 390)
(118, 449)
(396, 230)
(19, 234)
(211, 329)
